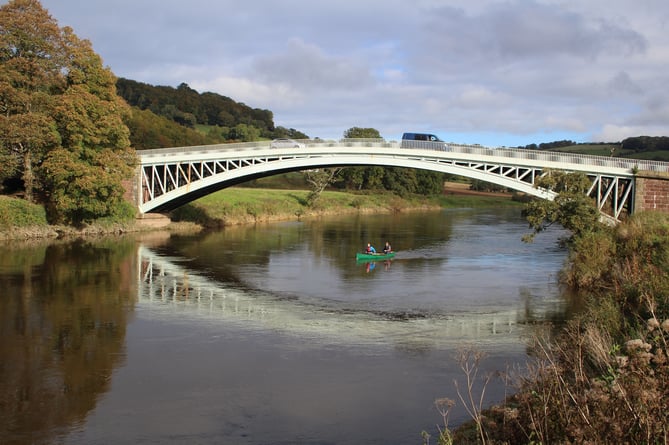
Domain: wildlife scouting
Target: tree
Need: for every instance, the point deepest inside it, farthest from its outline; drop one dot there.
(62, 115)
(244, 133)
(430, 182)
(571, 208)
(31, 59)
(148, 130)
(362, 133)
(319, 179)
(401, 181)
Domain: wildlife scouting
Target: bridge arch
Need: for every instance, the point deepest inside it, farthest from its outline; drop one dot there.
(169, 178)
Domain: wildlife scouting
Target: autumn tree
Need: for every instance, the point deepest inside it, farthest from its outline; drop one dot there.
(61, 115)
(31, 57)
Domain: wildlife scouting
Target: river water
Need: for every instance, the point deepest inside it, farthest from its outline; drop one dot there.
(268, 334)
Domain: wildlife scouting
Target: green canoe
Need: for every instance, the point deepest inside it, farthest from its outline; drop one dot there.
(374, 256)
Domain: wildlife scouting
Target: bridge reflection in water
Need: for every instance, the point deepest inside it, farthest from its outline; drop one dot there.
(170, 291)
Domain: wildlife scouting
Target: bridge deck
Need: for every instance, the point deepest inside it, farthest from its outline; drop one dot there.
(170, 177)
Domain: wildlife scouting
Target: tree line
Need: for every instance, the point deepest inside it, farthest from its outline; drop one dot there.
(636, 144)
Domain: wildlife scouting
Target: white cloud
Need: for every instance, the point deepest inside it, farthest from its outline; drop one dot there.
(506, 69)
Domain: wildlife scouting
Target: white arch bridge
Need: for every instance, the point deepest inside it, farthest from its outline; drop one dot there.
(171, 177)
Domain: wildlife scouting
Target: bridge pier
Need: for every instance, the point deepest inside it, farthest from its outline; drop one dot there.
(651, 191)
(152, 220)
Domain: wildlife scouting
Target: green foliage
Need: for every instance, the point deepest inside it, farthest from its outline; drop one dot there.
(20, 213)
(429, 183)
(30, 63)
(550, 145)
(187, 107)
(591, 259)
(84, 189)
(148, 130)
(484, 186)
(632, 260)
(601, 378)
(639, 147)
(291, 133)
(401, 181)
(243, 133)
(362, 133)
(571, 208)
(62, 114)
(646, 143)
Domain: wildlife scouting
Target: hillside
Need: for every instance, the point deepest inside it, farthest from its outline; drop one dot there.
(639, 147)
(199, 117)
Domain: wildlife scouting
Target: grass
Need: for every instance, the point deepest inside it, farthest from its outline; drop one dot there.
(603, 377)
(238, 205)
(15, 212)
(263, 200)
(605, 150)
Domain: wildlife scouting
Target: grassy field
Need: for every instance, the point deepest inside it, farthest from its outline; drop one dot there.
(605, 150)
(239, 205)
(264, 201)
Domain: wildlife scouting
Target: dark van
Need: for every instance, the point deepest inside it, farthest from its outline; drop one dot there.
(422, 140)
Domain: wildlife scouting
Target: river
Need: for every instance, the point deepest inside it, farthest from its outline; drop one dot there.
(268, 334)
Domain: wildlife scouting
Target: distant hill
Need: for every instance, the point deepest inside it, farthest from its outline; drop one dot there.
(187, 107)
(214, 117)
(639, 147)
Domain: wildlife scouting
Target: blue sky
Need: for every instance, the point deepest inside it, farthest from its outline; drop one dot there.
(471, 71)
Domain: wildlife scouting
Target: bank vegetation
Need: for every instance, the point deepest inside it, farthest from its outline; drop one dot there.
(603, 377)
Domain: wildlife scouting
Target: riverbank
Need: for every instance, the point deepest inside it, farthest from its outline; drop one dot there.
(604, 376)
(236, 206)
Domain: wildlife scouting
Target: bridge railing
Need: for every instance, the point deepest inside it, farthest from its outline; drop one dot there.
(562, 157)
(515, 153)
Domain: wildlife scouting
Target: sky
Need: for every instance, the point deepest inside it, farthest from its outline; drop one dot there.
(493, 72)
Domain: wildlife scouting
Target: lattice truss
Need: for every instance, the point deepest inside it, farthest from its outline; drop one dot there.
(613, 195)
(159, 179)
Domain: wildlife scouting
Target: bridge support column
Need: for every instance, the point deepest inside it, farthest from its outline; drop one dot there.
(651, 191)
(153, 220)
(132, 195)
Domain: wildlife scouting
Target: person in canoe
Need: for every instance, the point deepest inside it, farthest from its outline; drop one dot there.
(370, 249)
(387, 248)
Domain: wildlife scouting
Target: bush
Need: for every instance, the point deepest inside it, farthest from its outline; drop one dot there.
(586, 388)
(604, 377)
(16, 212)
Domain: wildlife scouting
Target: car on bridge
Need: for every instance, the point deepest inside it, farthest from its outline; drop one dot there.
(286, 143)
(423, 140)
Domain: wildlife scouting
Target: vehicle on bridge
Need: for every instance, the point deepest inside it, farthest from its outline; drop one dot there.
(422, 140)
(285, 143)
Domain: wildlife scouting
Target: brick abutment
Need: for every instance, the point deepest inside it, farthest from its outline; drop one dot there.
(652, 192)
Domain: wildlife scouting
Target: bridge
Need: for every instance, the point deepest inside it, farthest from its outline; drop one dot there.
(171, 177)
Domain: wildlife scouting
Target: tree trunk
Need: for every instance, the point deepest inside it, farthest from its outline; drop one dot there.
(28, 176)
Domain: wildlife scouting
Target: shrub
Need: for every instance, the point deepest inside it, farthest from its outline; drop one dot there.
(16, 212)
(604, 377)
